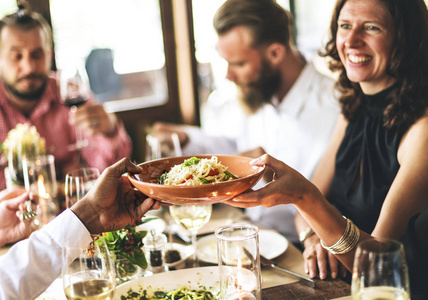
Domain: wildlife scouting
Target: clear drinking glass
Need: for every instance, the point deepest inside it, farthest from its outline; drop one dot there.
(162, 145)
(40, 177)
(192, 218)
(380, 271)
(239, 262)
(88, 272)
(78, 182)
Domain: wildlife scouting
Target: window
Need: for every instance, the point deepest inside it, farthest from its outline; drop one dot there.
(312, 19)
(121, 45)
(7, 7)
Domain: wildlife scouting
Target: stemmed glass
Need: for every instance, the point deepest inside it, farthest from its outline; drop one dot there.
(91, 275)
(78, 182)
(161, 145)
(192, 218)
(380, 271)
(75, 91)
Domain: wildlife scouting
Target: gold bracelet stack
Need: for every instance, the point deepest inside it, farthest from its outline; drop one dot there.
(347, 241)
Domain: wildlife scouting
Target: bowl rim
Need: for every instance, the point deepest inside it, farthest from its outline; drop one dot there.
(132, 177)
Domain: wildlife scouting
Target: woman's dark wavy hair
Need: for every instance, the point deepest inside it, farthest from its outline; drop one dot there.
(408, 64)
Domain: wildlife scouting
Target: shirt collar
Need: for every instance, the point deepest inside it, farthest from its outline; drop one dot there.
(293, 101)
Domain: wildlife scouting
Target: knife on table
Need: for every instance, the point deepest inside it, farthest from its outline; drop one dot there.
(267, 262)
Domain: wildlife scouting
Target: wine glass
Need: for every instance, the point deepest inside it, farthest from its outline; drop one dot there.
(380, 271)
(88, 272)
(192, 218)
(160, 145)
(78, 182)
(75, 91)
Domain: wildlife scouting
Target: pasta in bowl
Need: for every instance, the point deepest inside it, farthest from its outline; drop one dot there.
(213, 179)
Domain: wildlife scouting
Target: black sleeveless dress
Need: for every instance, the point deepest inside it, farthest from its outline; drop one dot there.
(370, 149)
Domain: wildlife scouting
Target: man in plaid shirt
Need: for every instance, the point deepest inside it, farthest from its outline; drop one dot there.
(28, 94)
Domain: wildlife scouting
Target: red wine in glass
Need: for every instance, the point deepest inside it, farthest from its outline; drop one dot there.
(77, 101)
(75, 91)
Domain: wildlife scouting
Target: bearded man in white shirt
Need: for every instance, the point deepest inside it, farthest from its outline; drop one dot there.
(283, 105)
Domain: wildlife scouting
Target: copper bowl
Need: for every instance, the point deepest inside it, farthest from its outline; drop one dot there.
(239, 166)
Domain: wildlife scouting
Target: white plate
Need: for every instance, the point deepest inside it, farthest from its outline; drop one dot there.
(271, 243)
(185, 253)
(207, 277)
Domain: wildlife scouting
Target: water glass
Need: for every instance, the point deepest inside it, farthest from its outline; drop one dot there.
(162, 145)
(78, 182)
(380, 271)
(40, 177)
(239, 262)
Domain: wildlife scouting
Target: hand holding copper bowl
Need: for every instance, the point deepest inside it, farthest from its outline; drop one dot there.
(239, 166)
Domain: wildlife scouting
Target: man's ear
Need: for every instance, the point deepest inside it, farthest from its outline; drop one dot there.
(275, 53)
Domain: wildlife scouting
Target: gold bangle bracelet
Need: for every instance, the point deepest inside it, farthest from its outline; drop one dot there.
(347, 241)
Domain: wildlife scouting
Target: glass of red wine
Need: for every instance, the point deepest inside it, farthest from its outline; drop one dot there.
(75, 91)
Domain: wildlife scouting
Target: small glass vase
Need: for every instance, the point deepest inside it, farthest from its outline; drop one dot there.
(126, 271)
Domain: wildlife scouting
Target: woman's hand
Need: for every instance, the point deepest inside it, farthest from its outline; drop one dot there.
(12, 226)
(317, 259)
(288, 186)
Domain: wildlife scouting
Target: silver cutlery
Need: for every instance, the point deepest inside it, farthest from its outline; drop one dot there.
(29, 213)
(267, 262)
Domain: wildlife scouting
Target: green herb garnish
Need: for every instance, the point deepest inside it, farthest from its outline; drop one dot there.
(191, 161)
(163, 177)
(204, 181)
(230, 175)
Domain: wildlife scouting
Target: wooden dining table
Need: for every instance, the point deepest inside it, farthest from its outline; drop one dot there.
(275, 283)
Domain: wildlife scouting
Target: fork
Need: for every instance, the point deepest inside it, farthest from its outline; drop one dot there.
(270, 263)
(29, 213)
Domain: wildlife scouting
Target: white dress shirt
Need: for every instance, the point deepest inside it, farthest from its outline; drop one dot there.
(30, 266)
(295, 130)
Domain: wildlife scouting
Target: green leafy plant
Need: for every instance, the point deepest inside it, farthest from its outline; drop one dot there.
(127, 243)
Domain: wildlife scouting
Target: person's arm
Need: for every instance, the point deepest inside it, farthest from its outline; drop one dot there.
(407, 195)
(289, 186)
(104, 151)
(107, 138)
(405, 199)
(31, 265)
(194, 140)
